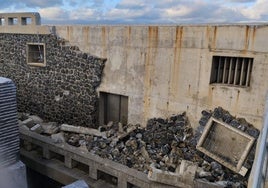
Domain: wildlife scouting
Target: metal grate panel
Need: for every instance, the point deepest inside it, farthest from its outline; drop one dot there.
(9, 133)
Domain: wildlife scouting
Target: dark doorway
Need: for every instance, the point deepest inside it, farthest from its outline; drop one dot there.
(113, 107)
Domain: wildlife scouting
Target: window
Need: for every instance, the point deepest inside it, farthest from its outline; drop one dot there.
(234, 71)
(12, 21)
(26, 21)
(2, 21)
(113, 107)
(36, 54)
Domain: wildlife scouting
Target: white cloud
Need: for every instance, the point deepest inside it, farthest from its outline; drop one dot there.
(83, 14)
(257, 12)
(54, 13)
(142, 11)
(178, 11)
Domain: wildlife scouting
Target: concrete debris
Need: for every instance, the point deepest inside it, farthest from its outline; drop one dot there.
(36, 119)
(184, 178)
(169, 144)
(82, 130)
(58, 138)
(24, 127)
(28, 122)
(37, 128)
(50, 128)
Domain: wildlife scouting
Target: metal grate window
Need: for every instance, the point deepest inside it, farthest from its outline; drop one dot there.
(234, 71)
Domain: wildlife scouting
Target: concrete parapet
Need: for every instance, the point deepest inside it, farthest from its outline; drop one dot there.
(24, 23)
(23, 18)
(94, 167)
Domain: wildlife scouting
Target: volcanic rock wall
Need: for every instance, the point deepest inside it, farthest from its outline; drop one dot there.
(63, 90)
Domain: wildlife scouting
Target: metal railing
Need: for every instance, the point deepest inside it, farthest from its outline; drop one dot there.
(260, 170)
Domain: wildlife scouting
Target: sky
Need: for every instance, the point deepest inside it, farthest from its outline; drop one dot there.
(141, 11)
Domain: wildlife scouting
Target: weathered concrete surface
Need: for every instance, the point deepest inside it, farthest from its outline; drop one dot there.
(166, 69)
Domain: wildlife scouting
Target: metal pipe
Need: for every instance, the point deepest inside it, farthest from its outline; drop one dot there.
(257, 174)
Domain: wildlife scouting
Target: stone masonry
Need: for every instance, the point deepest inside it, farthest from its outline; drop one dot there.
(64, 90)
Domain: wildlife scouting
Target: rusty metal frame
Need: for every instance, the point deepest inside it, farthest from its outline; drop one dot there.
(239, 167)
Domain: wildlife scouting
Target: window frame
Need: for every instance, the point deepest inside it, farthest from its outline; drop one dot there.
(234, 71)
(30, 58)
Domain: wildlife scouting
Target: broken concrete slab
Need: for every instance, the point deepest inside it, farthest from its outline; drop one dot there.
(31, 121)
(187, 170)
(28, 122)
(36, 119)
(82, 130)
(50, 127)
(183, 177)
(37, 128)
(25, 127)
(58, 138)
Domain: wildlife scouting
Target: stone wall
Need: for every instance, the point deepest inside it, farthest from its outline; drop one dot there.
(64, 90)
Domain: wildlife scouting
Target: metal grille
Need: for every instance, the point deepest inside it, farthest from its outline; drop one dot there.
(225, 144)
(231, 70)
(9, 133)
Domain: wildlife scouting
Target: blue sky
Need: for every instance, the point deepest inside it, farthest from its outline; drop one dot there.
(141, 11)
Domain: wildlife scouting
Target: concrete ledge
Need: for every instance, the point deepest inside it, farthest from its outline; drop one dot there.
(26, 29)
(57, 171)
(60, 162)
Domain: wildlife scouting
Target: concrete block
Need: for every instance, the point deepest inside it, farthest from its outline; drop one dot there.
(36, 119)
(28, 122)
(184, 177)
(77, 184)
(58, 138)
(25, 127)
(37, 128)
(50, 127)
(82, 130)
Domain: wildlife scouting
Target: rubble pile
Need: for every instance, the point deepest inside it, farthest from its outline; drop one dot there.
(165, 143)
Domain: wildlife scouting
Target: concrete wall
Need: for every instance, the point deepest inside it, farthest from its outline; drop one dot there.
(166, 69)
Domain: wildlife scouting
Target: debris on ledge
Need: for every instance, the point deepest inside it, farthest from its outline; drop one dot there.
(160, 149)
